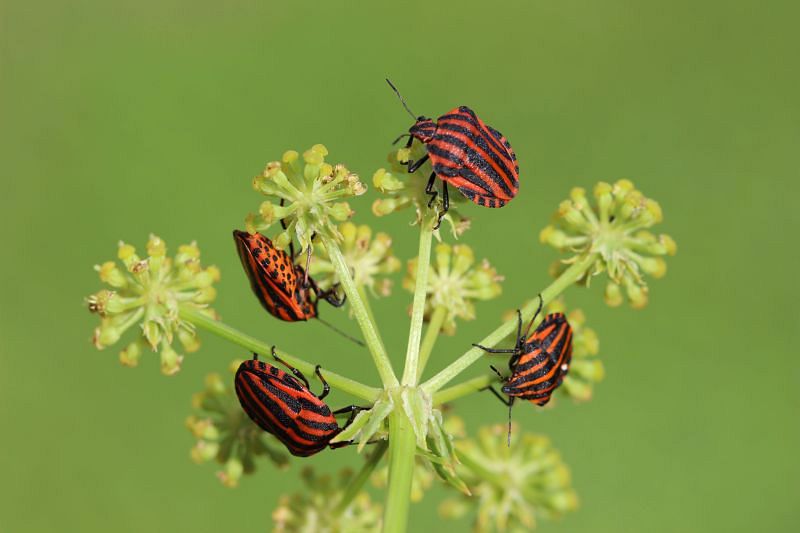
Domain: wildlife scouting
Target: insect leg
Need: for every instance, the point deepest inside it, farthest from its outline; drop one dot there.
(413, 166)
(445, 205)
(299, 375)
(493, 350)
(538, 310)
(491, 389)
(429, 188)
(325, 387)
(291, 243)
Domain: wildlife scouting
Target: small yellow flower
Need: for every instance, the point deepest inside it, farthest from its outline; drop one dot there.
(150, 292)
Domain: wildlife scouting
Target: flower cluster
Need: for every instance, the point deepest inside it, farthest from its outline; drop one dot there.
(306, 195)
(511, 485)
(226, 434)
(405, 190)
(369, 257)
(318, 507)
(455, 282)
(151, 291)
(615, 228)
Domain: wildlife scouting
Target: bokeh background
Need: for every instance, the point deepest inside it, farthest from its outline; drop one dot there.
(118, 119)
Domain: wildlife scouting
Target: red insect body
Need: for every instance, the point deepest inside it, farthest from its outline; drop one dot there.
(471, 156)
(283, 405)
(276, 281)
(467, 154)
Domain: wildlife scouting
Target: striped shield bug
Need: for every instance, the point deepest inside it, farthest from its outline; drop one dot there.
(283, 405)
(465, 153)
(538, 363)
(277, 282)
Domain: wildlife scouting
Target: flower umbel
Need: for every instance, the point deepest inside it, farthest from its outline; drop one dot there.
(150, 291)
(315, 507)
(455, 283)
(615, 228)
(369, 257)
(513, 485)
(306, 194)
(226, 434)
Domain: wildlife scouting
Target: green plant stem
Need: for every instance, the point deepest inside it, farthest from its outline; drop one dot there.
(252, 344)
(362, 291)
(402, 449)
(410, 372)
(363, 475)
(431, 334)
(367, 325)
(463, 389)
(574, 273)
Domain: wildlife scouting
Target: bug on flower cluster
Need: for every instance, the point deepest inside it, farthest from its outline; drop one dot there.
(538, 363)
(283, 405)
(465, 153)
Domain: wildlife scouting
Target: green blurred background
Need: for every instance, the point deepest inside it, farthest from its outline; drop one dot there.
(121, 119)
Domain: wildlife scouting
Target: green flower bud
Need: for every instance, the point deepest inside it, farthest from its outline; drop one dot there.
(111, 275)
(231, 473)
(613, 294)
(204, 451)
(170, 360)
(131, 354)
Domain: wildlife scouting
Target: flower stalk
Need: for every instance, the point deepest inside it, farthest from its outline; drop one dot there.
(410, 372)
(365, 322)
(402, 450)
(431, 334)
(359, 390)
(355, 486)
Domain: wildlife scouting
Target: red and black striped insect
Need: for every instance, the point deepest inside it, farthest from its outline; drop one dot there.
(277, 282)
(467, 154)
(538, 363)
(283, 404)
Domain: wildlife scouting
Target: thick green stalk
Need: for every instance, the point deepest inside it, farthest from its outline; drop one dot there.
(574, 273)
(368, 327)
(363, 475)
(402, 449)
(463, 389)
(431, 334)
(418, 307)
(252, 344)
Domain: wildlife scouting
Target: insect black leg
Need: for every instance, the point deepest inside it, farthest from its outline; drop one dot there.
(255, 356)
(325, 387)
(492, 350)
(491, 389)
(291, 244)
(331, 296)
(445, 205)
(538, 310)
(429, 189)
(299, 375)
(353, 410)
(413, 166)
(510, 405)
(400, 137)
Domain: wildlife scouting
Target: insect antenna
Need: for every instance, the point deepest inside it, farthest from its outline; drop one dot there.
(401, 99)
(342, 333)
